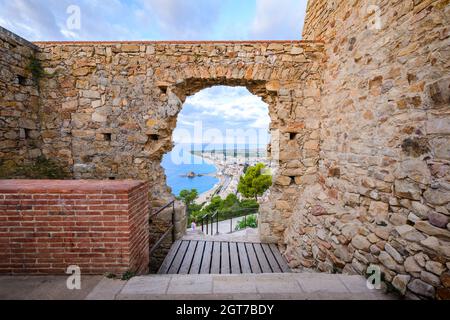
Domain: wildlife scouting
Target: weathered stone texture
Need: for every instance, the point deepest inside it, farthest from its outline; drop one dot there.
(19, 102)
(384, 128)
(360, 126)
(112, 107)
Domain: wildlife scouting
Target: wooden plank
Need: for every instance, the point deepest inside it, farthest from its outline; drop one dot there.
(206, 259)
(215, 260)
(178, 258)
(197, 260)
(265, 266)
(186, 264)
(253, 260)
(243, 258)
(225, 259)
(234, 259)
(280, 259)
(270, 258)
(169, 258)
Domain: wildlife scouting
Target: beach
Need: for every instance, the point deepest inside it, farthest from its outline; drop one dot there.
(228, 172)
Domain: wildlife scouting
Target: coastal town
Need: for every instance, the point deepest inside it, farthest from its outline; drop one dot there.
(229, 169)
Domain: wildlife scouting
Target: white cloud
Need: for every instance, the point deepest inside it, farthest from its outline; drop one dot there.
(232, 104)
(225, 115)
(29, 19)
(154, 19)
(278, 19)
(38, 20)
(181, 19)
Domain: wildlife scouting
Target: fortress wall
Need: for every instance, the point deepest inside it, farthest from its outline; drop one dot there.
(19, 103)
(111, 108)
(384, 192)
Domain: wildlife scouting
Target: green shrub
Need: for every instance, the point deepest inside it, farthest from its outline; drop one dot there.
(250, 222)
(128, 275)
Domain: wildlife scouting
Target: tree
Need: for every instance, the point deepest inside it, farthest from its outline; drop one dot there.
(231, 201)
(254, 182)
(215, 205)
(188, 197)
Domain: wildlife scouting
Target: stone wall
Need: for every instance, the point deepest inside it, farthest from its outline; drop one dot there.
(48, 225)
(19, 102)
(111, 108)
(383, 196)
(359, 119)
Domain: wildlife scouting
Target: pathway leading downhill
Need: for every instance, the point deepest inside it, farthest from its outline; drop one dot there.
(223, 257)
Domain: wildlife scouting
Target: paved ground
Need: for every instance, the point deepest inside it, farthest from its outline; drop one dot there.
(44, 287)
(247, 235)
(301, 286)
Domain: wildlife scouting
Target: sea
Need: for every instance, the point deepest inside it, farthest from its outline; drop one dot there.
(181, 160)
(176, 174)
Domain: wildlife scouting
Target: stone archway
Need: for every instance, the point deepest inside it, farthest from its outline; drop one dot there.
(294, 126)
(111, 108)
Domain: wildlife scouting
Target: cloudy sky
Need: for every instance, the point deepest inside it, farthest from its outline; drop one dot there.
(218, 108)
(154, 19)
(222, 114)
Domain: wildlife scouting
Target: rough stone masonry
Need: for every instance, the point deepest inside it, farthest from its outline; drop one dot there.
(359, 115)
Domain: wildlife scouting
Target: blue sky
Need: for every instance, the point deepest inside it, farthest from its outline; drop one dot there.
(218, 108)
(155, 19)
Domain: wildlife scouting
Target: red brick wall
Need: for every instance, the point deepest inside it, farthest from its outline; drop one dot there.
(47, 225)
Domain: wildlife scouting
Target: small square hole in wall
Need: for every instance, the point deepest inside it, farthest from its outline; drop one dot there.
(107, 136)
(163, 89)
(153, 137)
(112, 178)
(292, 135)
(26, 133)
(21, 80)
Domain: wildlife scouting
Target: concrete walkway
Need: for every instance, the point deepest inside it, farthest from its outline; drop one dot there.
(246, 235)
(295, 286)
(45, 287)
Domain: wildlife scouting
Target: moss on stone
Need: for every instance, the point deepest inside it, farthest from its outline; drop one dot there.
(415, 146)
(42, 168)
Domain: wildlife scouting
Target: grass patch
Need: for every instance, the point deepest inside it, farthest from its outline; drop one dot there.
(128, 275)
(249, 222)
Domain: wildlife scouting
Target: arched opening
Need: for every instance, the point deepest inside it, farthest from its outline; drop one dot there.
(221, 132)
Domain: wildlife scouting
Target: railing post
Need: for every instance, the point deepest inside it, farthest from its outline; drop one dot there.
(174, 232)
(231, 224)
(217, 224)
(207, 225)
(212, 225)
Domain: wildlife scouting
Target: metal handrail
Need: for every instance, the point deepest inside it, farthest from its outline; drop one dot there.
(245, 220)
(210, 220)
(171, 228)
(158, 243)
(216, 214)
(206, 216)
(162, 208)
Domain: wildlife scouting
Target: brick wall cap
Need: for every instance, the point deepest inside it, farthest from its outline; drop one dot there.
(69, 186)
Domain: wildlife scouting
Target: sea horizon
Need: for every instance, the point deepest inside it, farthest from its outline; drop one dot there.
(176, 171)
